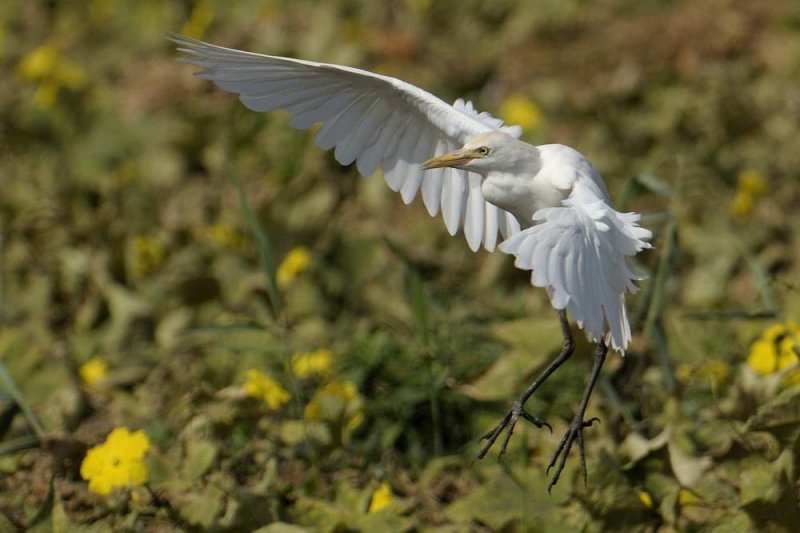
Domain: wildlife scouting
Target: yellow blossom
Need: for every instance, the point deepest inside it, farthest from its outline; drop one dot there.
(776, 350)
(646, 499)
(199, 20)
(684, 372)
(787, 351)
(763, 357)
(381, 498)
(223, 235)
(354, 421)
(714, 370)
(146, 255)
(792, 377)
(742, 204)
(295, 262)
(93, 371)
(752, 181)
(262, 386)
(39, 63)
(774, 332)
(518, 109)
(687, 497)
(338, 401)
(750, 186)
(306, 364)
(118, 462)
(45, 66)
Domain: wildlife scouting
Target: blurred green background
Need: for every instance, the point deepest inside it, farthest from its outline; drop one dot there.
(313, 352)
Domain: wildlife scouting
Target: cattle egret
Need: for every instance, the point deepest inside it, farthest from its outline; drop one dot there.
(547, 203)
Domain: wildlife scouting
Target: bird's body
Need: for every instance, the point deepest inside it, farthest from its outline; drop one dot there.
(547, 204)
(546, 183)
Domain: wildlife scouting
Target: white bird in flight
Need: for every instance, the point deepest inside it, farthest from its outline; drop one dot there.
(548, 204)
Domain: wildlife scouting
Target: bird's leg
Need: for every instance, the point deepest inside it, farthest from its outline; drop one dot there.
(518, 407)
(575, 430)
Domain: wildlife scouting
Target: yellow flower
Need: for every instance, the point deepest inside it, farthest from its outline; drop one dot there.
(199, 20)
(787, 352)
(262, 386)
(93, 371)
(223, 235)
(518, 109)
(742, 204)
(51, 71)
(714, 370)
(339, 402)
(774, 332)
(295, 262)
(777, 349)
(381, 498)
(687, 497)
(752, 181)
(684, 372)
(40, 63)
(318, 362)
(763, 357)
(792, 377)
(147, 255)
(118, 462)
(750, 186)
(646, 499)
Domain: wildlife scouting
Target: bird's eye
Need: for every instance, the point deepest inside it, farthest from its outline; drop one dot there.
(483, 150)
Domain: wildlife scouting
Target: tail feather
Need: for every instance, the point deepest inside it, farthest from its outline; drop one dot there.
(581, 253)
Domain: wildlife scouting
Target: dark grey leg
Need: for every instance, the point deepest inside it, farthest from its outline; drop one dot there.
(518, 408)
(575, 430)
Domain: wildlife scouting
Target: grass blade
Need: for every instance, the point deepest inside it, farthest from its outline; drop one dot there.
(8, 384)
(265, 254)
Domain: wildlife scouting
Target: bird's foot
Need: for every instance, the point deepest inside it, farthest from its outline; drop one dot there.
(507, 424)
(574, 432)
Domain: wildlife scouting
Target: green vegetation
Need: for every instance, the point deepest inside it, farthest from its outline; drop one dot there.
(298, 347)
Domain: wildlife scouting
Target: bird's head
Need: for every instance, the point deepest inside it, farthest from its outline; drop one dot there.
(491, 151)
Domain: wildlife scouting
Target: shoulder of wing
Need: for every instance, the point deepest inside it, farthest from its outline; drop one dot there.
(567, 168)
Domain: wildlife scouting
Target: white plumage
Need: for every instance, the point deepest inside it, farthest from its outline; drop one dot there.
(368, 119)
(548, 202)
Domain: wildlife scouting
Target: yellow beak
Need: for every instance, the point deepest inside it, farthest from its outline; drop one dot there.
(453, 159)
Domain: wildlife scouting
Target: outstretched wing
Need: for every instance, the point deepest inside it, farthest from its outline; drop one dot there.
(581, 253)
(369, 119)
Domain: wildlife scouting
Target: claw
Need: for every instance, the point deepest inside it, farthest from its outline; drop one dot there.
(574, 432)
(507, 424)
(535, 421)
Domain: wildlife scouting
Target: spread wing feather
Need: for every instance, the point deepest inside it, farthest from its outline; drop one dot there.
(369, 119)
(581, 253)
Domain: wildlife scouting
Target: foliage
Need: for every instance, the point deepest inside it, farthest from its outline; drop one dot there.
(302, 352)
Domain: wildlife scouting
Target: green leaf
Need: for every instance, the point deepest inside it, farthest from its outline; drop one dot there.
(733, 522)
(782, 410)
(533, 344)
(200, 456)
(294, 432)
(767, 491)
(497, 503)
(200, 508)
(636, 447)
(687, 468)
